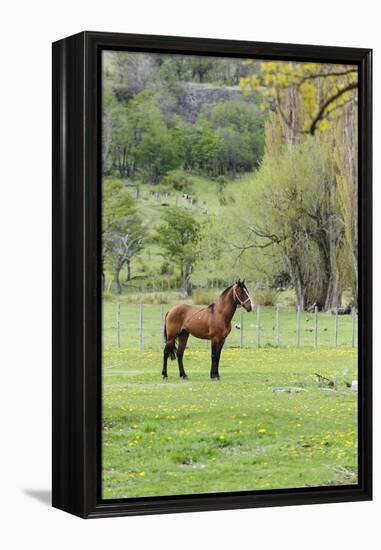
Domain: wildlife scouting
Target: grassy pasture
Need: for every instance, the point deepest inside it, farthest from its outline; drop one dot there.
(197, 436)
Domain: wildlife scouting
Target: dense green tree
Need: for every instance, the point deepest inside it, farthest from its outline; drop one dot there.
(228, 139)
(141, 142)
(179, 237)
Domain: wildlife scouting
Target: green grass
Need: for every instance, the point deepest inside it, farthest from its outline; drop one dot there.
(197, 436)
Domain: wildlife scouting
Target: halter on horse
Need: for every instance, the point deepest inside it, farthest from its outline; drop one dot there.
(212, 322)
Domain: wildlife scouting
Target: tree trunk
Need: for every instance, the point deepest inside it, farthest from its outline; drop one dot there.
(186, 279)
(297, 281)
(117, 269)
(332, 299)
(128, 263)
(300, 291)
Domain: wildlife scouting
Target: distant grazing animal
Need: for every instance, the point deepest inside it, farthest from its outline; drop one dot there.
(186, 196)
(212, 322)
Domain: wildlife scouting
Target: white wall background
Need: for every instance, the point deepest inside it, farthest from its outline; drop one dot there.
(27, 29)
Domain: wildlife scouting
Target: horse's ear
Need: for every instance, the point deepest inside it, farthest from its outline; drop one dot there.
(243, 282)
(238, 282)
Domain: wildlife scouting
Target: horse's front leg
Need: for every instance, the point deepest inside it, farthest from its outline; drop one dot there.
(216, 354)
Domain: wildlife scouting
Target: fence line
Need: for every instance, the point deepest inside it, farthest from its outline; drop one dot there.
(275, 326)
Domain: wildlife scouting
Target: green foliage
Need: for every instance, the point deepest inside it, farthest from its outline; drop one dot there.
(229, 138)
(178, 180)
(144, 134)
(122, 228)
(117, 204)
(179, 237)
(166, 268)
(179, 234)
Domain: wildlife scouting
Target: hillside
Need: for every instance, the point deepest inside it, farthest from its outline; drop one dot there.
(152, 201)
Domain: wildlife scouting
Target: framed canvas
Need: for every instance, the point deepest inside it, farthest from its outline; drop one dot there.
(211, 197)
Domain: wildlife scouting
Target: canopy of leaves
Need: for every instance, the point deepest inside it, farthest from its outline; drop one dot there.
(179, 234)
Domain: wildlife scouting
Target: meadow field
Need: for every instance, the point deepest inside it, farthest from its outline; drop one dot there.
(198, 436)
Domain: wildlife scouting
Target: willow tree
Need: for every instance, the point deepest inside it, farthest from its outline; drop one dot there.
(318, 101)
(290, 211)
(307, 96)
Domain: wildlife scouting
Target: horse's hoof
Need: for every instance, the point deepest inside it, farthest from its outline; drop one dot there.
(165, 377)
(215, 378)
(184, 376)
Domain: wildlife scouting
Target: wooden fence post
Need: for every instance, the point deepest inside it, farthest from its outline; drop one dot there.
(118, 324)
(316, 326)
(259, 325)
(241, 327)
(298, 326)
(277, 325)
(141, 327)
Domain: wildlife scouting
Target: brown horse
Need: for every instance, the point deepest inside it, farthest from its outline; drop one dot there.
(212, 322)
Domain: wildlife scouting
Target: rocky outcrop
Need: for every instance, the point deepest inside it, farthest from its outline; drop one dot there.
(197, 96)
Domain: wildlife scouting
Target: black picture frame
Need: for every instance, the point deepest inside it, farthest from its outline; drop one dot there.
(76, 275)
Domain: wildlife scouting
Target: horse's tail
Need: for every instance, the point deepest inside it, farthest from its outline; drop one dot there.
(172, 353)
(165, 327)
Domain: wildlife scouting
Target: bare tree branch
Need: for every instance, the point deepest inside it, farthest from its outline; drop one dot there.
(326, 104)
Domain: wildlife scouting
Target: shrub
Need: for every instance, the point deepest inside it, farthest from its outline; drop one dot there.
(202, 297)
(179, 180)
(166, 268)
(266, 297)
(287, 298)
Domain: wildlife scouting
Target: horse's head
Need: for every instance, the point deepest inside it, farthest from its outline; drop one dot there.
(241, 295)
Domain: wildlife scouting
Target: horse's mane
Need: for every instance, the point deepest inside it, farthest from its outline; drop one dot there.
(211, 306)
(226, 290)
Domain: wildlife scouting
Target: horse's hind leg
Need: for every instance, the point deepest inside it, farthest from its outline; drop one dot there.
(183, 339)
(168, 350)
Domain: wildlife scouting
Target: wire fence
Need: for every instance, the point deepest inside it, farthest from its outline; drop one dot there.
(141, 326)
